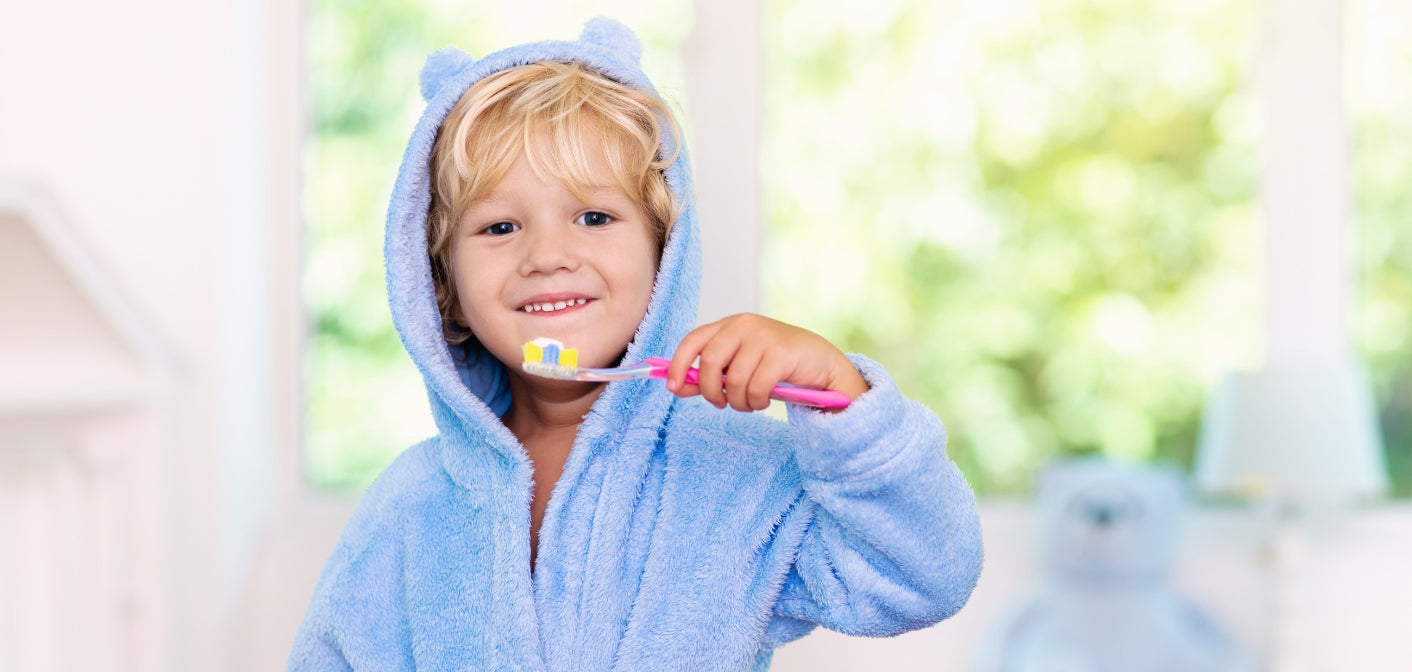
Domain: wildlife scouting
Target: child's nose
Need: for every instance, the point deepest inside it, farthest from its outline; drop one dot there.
(548, 249)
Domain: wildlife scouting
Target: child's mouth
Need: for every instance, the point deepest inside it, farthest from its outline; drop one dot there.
(547, 308)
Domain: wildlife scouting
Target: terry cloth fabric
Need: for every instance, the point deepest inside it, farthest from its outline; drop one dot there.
(679, 536)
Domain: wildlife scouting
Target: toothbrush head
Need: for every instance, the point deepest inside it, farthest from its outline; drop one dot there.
(549, 358)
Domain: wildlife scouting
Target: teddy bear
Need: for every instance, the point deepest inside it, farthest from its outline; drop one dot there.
(1107, 538)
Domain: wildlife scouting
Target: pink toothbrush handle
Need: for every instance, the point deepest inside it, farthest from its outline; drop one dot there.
(792, 394)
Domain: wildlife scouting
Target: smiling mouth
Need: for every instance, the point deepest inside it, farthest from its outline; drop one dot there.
(554, 306)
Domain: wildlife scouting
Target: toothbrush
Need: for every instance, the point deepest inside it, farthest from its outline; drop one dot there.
(549, 358)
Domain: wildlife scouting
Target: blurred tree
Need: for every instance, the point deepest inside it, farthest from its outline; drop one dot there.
(1039, 215)
(1378, 35)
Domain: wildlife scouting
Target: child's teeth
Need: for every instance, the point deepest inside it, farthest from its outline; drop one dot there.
(557, 305)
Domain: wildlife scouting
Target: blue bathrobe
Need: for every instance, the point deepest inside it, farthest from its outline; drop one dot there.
(679, 536)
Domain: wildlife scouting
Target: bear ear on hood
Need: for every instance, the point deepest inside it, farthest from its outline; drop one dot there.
(604, 32)
(441, 65)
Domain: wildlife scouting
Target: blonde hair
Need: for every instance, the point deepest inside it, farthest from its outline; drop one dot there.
(542, 108)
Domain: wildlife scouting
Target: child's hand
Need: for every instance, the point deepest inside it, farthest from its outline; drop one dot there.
(755, 353)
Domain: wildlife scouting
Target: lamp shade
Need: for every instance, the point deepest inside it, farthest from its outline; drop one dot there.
(1305, 431)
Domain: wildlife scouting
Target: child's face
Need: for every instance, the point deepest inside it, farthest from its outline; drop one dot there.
(533, 242)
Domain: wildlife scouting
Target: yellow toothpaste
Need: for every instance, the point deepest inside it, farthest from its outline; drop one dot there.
(546, 356)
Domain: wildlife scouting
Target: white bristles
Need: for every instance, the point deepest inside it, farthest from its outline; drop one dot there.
(551, 370)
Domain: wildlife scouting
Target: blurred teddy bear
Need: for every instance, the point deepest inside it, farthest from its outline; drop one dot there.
(1107, 539)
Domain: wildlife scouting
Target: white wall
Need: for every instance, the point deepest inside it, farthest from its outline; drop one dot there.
(166, 139)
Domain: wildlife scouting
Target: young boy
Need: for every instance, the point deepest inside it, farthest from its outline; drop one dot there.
(556, 525)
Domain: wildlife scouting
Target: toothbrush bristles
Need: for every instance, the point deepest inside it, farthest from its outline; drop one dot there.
(547, 370)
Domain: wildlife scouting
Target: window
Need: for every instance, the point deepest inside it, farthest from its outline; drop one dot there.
(1040, 215)
(1378, 69)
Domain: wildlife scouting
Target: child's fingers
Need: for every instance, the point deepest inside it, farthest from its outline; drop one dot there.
(687, 390)
(743, 367)
(715, 359)
(767, 375)
(686, 353)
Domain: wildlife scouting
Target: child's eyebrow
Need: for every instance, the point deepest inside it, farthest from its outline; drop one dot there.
(591, 190)
(600, 191)
(599, 188)
(491, 198)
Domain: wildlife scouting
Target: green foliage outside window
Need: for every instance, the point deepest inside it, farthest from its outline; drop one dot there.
(1378, 71)
(1039, 214)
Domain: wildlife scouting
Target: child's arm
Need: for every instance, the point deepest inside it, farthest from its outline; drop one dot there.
(357, 617)
(343, 612)
(893, 542)
(312, 654)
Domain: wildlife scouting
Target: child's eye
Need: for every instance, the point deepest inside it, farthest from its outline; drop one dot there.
(500, 228)
(594, 219)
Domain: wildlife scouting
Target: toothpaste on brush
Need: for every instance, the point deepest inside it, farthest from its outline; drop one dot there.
(549, 358)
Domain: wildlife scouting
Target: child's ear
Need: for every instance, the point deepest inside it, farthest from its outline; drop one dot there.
(441, 66)
(614, 36)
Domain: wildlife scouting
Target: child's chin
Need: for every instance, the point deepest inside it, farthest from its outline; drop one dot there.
(561, 386)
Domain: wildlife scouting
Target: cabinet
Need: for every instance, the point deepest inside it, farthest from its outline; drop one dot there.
(85, 425)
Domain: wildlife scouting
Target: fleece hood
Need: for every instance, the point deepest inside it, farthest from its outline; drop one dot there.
(469, 394)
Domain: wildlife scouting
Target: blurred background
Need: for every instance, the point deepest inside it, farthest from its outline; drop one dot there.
(1061, 224)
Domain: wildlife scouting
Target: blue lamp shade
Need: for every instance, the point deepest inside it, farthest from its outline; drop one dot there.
(1306, 432)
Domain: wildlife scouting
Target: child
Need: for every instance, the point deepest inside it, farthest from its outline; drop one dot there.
(556, 525)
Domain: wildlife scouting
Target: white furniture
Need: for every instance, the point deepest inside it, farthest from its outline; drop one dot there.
(84, 430)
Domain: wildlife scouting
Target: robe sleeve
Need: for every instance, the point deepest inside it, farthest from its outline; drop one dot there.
(893, 542)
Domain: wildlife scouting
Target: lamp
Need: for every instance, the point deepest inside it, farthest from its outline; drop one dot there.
(1294, 432)
(1301, 439)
